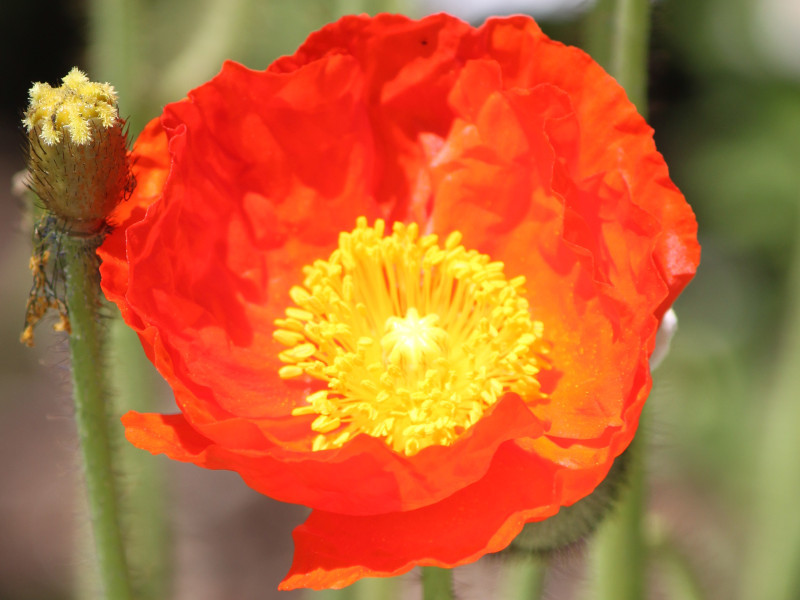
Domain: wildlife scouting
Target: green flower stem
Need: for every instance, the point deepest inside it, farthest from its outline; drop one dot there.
(115, 55)
(681, 579)
(617, 33)
(377, 588)
(437, 584)
(91, 401)
(209, 43)
(524, 579)
(771, 556)
(370, 588)
(618, 552)
(349, 7)
(147, 533)
(115, 49)
(347, 593)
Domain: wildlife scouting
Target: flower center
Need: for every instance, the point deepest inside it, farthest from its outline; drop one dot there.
(415, 341)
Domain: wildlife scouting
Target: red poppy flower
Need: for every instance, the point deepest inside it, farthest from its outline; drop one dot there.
(409, 277)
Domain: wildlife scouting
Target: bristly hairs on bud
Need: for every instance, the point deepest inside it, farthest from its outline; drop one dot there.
(80, 170)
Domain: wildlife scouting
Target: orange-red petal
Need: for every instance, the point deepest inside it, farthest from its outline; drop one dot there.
(332, 551)
(362, 478)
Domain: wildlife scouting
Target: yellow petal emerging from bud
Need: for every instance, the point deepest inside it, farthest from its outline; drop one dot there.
(78, 154)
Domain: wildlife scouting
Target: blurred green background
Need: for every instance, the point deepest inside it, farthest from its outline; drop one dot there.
(723, 422)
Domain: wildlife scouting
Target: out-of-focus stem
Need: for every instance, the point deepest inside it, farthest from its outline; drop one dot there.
(618, 550)
(524, 578)
(617, 33)
(210, 42)
(437, 584)
(681, 579)
(114, 49)
(349, 7)
(379, 588)
(91, 401)
(773, 552)
(147, 533)
(371, 588)
(115, 54)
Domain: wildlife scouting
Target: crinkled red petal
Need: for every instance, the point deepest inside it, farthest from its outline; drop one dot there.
(151, 160)
(376, 480)
(207, 310)
(332, 551)
(499, 179)
(419, 61)
(613, 138)
(239, 149)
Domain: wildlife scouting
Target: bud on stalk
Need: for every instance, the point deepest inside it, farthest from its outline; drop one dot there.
(80, 171)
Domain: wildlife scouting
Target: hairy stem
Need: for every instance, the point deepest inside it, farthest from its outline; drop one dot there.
(91, 400)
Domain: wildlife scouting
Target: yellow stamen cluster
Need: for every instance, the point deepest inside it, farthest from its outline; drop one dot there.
(70, 108)
(415, 341)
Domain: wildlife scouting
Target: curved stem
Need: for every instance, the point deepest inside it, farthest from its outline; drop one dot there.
(91, 400)
(437, 584)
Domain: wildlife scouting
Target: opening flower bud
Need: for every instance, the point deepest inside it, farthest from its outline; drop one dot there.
(78, 152)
